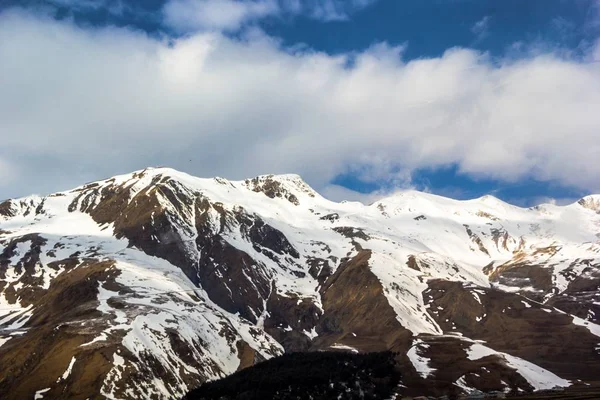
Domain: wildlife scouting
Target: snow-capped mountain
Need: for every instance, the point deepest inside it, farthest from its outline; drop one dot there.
(146, 285)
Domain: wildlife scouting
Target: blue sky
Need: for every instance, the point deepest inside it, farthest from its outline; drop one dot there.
(432, 26)
(362, 97)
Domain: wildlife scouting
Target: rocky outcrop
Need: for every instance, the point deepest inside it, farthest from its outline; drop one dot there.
(516, 325)
(355, 311)
(591, 203)
(280, 187)
(52, 338)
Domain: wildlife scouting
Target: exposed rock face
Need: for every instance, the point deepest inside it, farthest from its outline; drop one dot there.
(356, 311)
(282, 186)
(152, 283)
(58, 335)
(591, 203)
(511, 324)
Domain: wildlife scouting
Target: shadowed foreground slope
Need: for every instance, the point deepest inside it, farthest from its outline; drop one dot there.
(319, 375)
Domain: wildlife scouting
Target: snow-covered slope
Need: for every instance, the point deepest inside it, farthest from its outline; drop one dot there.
(150, 283)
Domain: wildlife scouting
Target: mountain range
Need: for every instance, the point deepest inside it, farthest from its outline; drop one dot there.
(146, 285)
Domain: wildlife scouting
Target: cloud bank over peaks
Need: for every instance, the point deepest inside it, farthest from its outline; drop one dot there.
(97, 102)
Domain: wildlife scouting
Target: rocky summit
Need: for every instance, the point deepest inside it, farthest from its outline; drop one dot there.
(147, 285)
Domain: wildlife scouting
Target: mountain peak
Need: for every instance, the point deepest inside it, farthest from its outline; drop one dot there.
(591, 202)
(292, 179)
(488, 198)
(288, 186)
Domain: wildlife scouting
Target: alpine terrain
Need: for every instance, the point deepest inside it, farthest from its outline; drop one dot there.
(146, 285)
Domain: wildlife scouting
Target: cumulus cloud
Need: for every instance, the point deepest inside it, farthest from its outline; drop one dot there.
(77, 105)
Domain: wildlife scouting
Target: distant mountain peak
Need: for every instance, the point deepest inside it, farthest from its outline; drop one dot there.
(288, 186)
(591, 202)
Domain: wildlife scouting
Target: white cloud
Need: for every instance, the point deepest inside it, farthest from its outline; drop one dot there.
(77, 105)
(592, 21)
(562, 201)
(228, 15)
(564, 27)
(333, 10)
(340, 193)
(231, 15)
(115, 7)
(107, 8)
(8, 174)
(481, 28)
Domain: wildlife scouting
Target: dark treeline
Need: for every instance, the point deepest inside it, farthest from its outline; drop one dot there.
(315, 375)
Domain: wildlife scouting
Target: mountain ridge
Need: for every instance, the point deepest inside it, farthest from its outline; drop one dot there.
(175, 273)
(292, 177)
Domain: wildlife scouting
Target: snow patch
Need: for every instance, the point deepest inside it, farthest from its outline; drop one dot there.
(339, 346)
(67, 372)
(40, 394)
(593, 328)
(537, 377)
(311, 334)
(420, 362)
